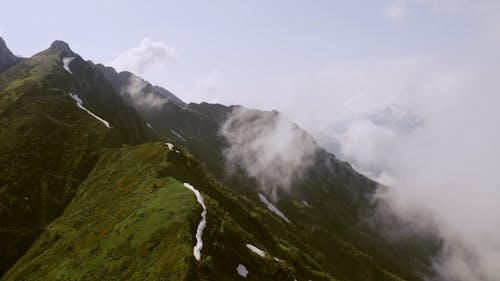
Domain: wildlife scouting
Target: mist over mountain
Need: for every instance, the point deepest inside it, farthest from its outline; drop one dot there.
(113, 200)
(334, 140)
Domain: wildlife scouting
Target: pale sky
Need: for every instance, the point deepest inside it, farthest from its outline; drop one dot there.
(227, 46)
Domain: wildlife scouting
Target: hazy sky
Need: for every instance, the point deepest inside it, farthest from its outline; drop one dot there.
(226, 46)
(331, 66)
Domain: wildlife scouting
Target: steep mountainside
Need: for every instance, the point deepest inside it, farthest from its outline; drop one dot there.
(339, 200)
(7, 58)
(134, 219)
(130, 213)
(48, 144)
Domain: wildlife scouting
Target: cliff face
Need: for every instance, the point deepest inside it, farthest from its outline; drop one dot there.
(7, 58)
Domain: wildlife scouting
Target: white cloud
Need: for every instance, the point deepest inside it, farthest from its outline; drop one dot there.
(135, 90)
(447, 165)
(396, 10)
(146, 55)
(269, 147)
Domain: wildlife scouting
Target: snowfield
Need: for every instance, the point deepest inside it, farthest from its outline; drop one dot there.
(66, 62)
(271, 207)
(78, 101)
(242, 270)
(201, 226)
(256, 250)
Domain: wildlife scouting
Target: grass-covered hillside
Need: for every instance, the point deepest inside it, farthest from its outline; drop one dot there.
(340, 201)
(48, 145)
(128, 220)
(132, 219)
(89, 190)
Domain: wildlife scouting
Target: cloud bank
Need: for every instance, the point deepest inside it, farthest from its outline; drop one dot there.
(441, 161)
(146, 55)
(137, 92)
(445, 164)
(269, 147)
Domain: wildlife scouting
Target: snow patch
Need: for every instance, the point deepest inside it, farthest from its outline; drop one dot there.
(178, 135)
(149, 125)
(170, 146)
(256, 250)
(305, 203)
(199, 243)
(242, 270)
(78, 101)
(66, 62)
(271, 207)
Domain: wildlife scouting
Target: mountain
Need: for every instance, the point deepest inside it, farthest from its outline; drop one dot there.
(7, 58)
(48, 144)
(105, 176)
(136, 91)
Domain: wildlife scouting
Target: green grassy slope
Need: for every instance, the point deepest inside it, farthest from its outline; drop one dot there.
(340, 199)
(132, 219)
(126, 221)
(47, 146)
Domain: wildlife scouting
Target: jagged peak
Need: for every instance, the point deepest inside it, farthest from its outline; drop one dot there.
(59, 44)
(3, 47)
(7, 58)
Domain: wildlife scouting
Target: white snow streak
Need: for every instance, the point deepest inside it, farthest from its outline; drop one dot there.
(305, 203)
(66, 62)
(199, 243)
(256, 250)
(271, 207)
(242, 270)
(149, 125)
(78, 101)
(170, 146)
(178, 135)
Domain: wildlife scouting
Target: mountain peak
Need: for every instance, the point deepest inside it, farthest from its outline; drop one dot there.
(59, 44)
(7, 58)
(3, 47)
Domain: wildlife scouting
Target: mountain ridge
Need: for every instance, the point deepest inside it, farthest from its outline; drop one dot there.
(325, 239)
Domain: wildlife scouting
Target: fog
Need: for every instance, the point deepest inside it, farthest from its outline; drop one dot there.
(135, 90)
(146, 55)
(425, 126)
(437, 149)
(269, 147)
(428, 128)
